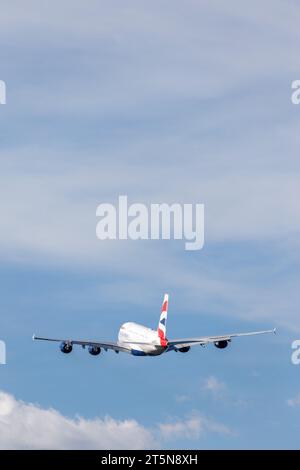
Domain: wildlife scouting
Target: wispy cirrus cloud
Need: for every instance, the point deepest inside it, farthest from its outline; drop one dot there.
(164, 117)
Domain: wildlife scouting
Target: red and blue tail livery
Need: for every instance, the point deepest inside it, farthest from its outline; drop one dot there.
(162, 325)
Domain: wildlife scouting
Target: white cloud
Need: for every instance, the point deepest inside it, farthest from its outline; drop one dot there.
(28, 426)
(192, 428)
(213, 385)
(294, 401)
(182, 398)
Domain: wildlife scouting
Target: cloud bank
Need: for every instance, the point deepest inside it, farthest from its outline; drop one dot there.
(29, 426)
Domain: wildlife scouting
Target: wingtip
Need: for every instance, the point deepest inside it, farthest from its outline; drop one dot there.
(33, 337)
(274, 331)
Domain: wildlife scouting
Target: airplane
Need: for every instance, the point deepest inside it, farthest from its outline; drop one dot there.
(139, 340)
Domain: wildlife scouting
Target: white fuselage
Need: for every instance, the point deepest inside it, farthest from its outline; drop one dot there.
(141, 340)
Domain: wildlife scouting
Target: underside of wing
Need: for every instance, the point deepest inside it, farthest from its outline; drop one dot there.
(93, 344)
(204, 340)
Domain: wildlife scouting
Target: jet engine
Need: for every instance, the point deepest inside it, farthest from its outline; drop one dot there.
(94, 350)
(221, 344)
(184, 350)
(66, 347)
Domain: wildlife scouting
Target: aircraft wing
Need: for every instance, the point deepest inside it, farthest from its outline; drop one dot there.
(104, 345)
(204, 340)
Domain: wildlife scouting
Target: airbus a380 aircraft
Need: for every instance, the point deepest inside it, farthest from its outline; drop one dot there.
(139, 340)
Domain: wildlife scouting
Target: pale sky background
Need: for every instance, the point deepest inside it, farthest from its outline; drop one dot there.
(165, 101)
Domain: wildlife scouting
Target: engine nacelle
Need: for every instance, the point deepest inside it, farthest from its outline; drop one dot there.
(184, 350)
(66, 347)
(221, 344)
(94, 350)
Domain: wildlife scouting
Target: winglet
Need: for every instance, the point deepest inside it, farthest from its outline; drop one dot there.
(274, 331)
(33, 337)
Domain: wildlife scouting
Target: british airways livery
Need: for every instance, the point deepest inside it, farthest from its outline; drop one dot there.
(139, 340)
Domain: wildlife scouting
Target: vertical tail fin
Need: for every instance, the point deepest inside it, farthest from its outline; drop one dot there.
(162, 326)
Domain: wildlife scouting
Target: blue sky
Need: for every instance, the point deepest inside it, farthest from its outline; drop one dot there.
(165, 102)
